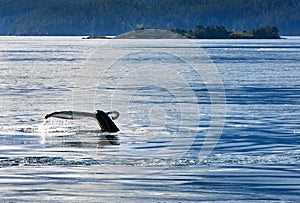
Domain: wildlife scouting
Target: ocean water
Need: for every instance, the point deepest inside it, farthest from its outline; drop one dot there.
(201, 120)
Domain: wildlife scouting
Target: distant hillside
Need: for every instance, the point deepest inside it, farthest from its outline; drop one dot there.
(114, 17)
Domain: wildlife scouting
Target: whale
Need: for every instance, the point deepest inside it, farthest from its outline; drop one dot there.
(105, 119)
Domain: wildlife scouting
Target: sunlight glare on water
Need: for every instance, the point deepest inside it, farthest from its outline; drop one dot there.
(165, 115)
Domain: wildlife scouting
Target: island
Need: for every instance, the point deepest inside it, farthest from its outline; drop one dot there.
(220, 32)
(201, 32)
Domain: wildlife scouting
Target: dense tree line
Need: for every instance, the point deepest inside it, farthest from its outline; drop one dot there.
(113, 17)
(220, 32)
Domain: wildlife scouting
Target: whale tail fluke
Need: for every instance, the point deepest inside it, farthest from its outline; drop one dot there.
(105, 120)
(113, 114)
(106, 124)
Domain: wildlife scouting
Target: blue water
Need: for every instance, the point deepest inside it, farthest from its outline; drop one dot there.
(170, 95)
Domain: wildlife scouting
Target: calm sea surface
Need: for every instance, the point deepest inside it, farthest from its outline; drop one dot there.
(203, 120)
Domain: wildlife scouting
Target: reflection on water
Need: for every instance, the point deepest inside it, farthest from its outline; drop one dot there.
(256, 158)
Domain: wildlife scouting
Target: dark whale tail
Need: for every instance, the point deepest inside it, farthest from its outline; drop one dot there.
(106, 124)
(105, 120)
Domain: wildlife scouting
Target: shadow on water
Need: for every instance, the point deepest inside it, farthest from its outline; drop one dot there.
(83, 139)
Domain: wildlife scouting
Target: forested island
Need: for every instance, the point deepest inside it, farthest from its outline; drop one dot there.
(220, 32)
(201, 32)
(114, 17)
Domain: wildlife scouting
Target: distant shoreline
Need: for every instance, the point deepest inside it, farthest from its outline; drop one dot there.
(220, 32)
(97, 37)
(200, 32)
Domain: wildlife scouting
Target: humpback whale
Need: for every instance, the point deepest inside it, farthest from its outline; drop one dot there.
(105, 120)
